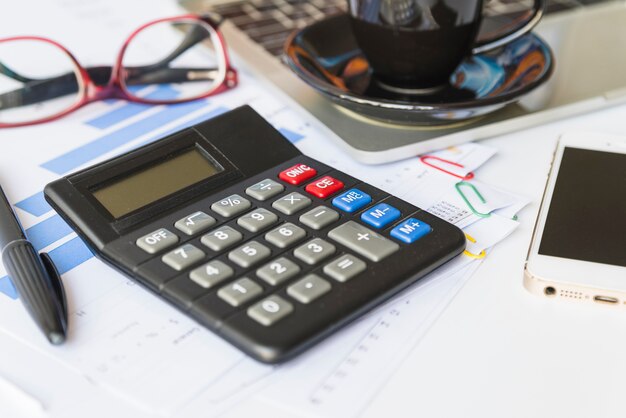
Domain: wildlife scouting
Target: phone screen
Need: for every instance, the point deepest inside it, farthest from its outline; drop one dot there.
(587, 215)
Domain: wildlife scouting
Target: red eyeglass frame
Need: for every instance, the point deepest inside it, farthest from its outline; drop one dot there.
(115, 88)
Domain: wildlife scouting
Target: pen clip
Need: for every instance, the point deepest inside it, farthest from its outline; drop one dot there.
(55, 282)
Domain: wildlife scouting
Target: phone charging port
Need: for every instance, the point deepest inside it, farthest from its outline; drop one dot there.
(605, 299)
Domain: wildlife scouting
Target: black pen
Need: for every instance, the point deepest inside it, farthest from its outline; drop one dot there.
(34, 276)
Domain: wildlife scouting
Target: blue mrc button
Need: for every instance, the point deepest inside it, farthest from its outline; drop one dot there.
(352, 200)
(380, 215)
(410, 230)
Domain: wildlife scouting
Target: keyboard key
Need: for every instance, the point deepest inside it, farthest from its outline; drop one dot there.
(319, 217)
(314, 251)
(195, 223)
(364, 241)
(221, 238)
(249, 254)
(292, 203)
(158, 240)
(410, 230)
(308, 289)
(344, 268)
(278, 271)
(324, 187)
(257, 220)
(183, 257)
(297, 174)
(211, 273)
(269, 311)
(265, 189)
(231, 206)
(240, 292)
(352, 200)
(380, 215)
(285, 235)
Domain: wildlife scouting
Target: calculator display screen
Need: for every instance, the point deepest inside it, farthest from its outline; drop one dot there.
(587, 215)
(156, 182)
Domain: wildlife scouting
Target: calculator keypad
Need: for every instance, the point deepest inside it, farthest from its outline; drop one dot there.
(270, 310)
(194, 223)
(278, 271)
(211, 273)
(257, 220)
(309, 288)
(157, 241)
(183, 257)
(231, 206)
(285, 235)
(319, 217)
(364, 241)
(264, 189)
(314, 251)
(344, 268)
(222, 238)
(240, 292)
(292, 203)
(249, 254)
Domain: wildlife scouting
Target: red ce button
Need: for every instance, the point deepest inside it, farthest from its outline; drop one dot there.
(324, 187)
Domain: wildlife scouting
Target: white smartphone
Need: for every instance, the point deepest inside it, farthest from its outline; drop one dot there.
(578, 250)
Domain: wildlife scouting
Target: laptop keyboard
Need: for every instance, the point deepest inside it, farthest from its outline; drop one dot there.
(269, 22)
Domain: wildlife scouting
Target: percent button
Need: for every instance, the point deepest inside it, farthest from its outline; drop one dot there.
(231, 205)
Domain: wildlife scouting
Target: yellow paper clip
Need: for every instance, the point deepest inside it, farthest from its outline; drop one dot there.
(482, 254)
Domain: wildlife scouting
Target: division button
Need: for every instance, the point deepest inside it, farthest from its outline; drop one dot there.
(292, 203)
(308, 289)
(380, 215)
(344, 268)
(278, 271)
(183, 257)
(364, 241)
(352, 200)
(157, 241)
(324, 187)
(297, 174)
(211, 273)
(240, 292)
(319, 217)
(265, 189)
(314, 251)
(195, 223)
(231, 206)
(269, 311)
(285, 235)
(410, 230)
(249, 254)
(257, 220)
(221, 238)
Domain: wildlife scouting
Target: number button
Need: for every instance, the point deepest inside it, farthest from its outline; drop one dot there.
(285, 235)
(278, 271)
(344, 268)
(269, 311)
(292, 203)
(157, 241)
(194, 223)
(265, 189)
(221, 238)
(249, 254)
(183, 257)
(308, 289)
(211, 273)
(257, 220)
(240, 292)
(314, 251)
(319, 217)
(231, 206)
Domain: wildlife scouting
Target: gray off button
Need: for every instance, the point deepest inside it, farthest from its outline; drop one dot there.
(363, 241)
(157, 241)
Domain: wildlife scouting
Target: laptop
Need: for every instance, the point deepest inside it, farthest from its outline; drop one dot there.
(587, 38)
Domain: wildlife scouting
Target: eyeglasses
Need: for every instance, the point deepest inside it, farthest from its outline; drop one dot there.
(171, 60)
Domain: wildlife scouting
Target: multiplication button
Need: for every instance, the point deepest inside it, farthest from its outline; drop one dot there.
(344, 268)
(292, 203)
(231, 206)
(364, 241)
(269, 311)
(319, 217)
(194, 223)
(265, 189)
(156, 241)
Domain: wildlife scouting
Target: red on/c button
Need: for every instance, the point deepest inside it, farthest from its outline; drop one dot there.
(297, 174)
(324, 187)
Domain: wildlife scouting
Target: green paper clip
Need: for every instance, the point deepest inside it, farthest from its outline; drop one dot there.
(466, 200)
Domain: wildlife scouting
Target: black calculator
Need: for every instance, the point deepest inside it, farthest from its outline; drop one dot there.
(268, 248)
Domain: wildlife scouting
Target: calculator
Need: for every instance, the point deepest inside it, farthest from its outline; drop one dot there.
(266, 247)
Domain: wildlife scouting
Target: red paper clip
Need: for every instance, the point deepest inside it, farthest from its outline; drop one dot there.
(423, 159)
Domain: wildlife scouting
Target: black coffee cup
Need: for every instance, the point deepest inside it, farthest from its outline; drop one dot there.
(417, 44)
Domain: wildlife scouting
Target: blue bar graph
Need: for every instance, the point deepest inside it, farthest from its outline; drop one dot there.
(7, 288)
(35, 205)
(69, 255)
(48, 232)
(292, 136)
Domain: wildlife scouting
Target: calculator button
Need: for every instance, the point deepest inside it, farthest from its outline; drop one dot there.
(231, 206)
(277, 271)
(285, 235)
(344, 268)
(265, 189)
(269, 311)
(380, 215)
(297, 174)
(292, 203)
(221, 238)
(183, 257)
(314, 251)
(257, 220)
(211, 273)
(363, 240)
(249, 254)
(319, 217)
(324, 187)
(240, 292)
(195, 223)
(157, 241)
(308, 289)
(410, 230)
(352, 200)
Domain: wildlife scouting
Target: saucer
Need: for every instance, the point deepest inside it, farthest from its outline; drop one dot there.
(326, 56)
